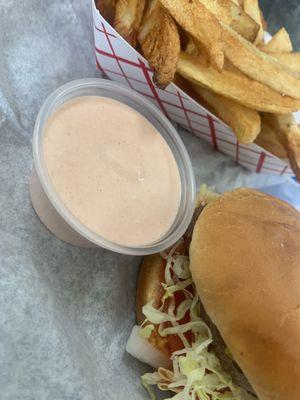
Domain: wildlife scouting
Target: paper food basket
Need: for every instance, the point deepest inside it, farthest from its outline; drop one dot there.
(121, 62)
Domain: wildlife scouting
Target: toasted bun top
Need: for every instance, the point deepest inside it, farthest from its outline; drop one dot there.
(245, 261)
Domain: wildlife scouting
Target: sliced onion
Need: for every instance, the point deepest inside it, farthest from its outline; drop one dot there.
(142, 350)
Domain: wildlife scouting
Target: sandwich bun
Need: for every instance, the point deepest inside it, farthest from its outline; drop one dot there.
(152, 273)
(149, 289)
(245, 262)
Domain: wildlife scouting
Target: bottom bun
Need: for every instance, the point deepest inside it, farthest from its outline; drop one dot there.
(149, 290)
(151, 275)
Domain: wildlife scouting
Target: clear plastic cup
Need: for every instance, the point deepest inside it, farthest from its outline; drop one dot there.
(56, 216)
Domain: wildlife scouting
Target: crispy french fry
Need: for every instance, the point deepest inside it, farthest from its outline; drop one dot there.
(233, 15)
(285, 127)
(244, 122)
(235, 86)
(258, 65)
(268, 140)
(251, 7)
(280, 43)
(128, 16)
(280, 47)
(160, 42)
(195, 18)
(289, 60)
(288, 133)
(106, 8)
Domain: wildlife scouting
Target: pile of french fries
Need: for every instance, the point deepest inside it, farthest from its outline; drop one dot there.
(218, 47)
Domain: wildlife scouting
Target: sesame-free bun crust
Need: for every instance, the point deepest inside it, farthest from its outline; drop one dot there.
(149, 289)
(245, 261)
(152, 272)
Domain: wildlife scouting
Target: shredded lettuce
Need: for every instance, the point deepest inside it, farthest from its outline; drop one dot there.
(197, 373)
(205, 196)
(146, 331)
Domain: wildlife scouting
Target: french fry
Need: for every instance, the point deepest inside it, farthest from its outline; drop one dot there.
(280, 43)
(251, 7)
(234, 16)
(280, 47)
(285, 127)
(128, 16)
(289, 60)
(235, 86)
(258, 65)
(200, 23)
(230, 70)
(196, 19)
(160, 42)
(268, 140)
(288, 133)
(244, 122)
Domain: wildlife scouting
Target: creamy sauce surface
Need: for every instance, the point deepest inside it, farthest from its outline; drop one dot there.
(112, 169)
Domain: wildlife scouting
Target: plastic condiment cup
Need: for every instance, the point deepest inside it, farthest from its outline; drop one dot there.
(46, 201)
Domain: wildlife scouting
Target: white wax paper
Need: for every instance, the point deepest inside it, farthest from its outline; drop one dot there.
(65, 313)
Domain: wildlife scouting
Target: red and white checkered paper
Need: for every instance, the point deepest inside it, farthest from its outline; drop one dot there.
(121, 62)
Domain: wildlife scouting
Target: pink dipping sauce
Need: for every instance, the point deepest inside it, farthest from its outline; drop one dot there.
(112, 169)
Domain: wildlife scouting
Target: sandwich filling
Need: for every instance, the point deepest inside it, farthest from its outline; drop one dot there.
(196, 371)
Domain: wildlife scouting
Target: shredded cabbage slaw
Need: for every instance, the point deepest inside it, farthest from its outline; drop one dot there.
(197, 373)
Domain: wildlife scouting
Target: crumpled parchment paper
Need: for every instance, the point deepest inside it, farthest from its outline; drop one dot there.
(65, 312)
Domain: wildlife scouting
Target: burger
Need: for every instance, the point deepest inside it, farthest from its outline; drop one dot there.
(219, 313)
